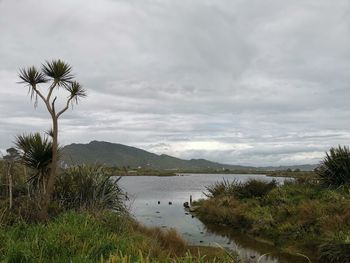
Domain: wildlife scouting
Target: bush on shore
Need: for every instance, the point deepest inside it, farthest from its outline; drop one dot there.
(88, 187)
(251, 189)
(85, 187)
(300, 217)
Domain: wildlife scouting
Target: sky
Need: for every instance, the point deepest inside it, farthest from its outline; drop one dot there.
(246, 82)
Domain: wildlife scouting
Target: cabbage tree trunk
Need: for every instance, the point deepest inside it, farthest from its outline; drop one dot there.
(46, 197)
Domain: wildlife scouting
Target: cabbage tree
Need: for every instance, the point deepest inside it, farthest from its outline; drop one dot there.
(43, 84)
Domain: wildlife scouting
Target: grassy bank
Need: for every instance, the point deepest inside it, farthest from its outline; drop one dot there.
(296, 217)
(96, 237)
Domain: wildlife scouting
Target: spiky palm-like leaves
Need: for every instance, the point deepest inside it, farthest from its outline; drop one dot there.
(32, 76)
(59, 71)
(334, 170)
(88, 186)
(36, 153)
(76, 91)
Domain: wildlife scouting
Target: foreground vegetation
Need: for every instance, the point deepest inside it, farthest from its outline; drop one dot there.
(309, 216)
(94, 237)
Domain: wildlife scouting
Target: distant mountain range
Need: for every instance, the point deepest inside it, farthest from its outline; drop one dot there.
(122, 155)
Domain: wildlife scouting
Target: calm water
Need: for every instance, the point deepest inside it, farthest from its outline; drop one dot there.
(146, 191)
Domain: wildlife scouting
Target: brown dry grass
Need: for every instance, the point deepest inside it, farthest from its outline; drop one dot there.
(168, 239)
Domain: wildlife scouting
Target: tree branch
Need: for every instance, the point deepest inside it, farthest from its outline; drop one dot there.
(53, 105)
(65, 108)
(43, 98)
(50, 91)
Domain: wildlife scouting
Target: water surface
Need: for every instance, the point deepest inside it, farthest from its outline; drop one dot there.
(158, 201)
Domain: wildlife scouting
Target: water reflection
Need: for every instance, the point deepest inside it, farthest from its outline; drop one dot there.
(149, 203)
(251, 248)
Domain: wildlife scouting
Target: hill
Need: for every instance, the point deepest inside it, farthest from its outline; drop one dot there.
(115, 154)
(122, 155)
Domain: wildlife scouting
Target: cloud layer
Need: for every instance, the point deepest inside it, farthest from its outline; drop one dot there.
(257, 82)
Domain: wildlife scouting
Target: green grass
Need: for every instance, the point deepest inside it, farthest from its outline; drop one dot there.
(72, 236)
(95, 237)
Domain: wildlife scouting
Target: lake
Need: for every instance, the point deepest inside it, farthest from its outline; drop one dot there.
(149, 203)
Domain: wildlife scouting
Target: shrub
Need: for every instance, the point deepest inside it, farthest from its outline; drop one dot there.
(86, 186)
(254, 188)
(223, 187)
(334, 170)
(24, 210)
(251, 189)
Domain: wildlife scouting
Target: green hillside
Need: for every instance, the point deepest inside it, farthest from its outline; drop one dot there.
(120, 155)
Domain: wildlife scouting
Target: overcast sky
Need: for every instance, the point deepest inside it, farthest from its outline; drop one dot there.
(234, 81)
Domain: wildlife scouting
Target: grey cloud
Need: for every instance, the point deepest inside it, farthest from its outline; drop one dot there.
(272, 76)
